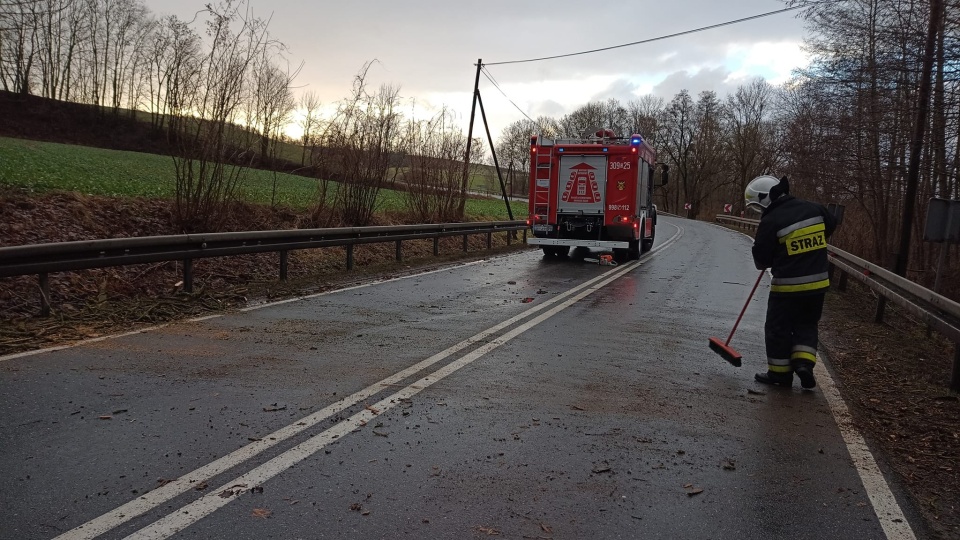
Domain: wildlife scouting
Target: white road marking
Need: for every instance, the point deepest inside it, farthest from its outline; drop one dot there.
(182, 518)
(894, 523)
(185, 483)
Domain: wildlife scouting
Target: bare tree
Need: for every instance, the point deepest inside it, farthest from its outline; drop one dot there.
(204, 111)
(309, 122)
(750, 143)
(360, 140)
(434, 149)
(19, 22)
(676, 142)
(644, 116)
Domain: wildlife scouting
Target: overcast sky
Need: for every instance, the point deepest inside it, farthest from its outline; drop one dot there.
(429, 48)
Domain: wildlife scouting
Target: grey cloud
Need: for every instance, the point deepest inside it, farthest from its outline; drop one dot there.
(704, 79)
(622, 90)
(549, 108)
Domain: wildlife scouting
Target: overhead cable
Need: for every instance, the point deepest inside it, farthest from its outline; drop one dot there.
(686, 32)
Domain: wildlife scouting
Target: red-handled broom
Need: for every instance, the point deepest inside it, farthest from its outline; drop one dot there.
(723, 348)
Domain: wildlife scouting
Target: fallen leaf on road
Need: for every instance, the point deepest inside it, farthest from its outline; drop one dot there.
(372, 409)
(694, 491)
(729, 466)
(106, 417)
(527, 300)
(489, 531)
(201, 486)
(576, 408)
(755, 392)
(262, 513)
(275, 407)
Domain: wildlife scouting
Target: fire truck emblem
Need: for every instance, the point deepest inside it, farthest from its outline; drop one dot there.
(582, 186)
(621, 185)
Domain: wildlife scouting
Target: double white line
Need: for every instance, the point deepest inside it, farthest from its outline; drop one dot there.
(193, 512)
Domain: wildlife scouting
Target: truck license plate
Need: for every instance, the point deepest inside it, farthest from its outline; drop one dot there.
(543, 227)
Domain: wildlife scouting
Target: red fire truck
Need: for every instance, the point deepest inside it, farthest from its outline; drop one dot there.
(593, 192)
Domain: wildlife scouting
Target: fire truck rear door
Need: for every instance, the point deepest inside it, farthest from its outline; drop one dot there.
(582, 184)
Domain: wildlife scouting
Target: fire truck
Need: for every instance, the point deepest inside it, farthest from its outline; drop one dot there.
(593, 192)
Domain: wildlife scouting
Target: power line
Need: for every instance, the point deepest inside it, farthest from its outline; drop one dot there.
(686, 32)
(497, 86)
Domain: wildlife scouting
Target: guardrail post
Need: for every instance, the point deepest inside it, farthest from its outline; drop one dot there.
(510, 235)
(955, 378)
(489, 240)
(283, 265)
(465, 243)
(842, 284)
(188, 275)
(524, 236)
(44, 295)
(881, 304)
(399, 251)
(349, 256)
(436, 246)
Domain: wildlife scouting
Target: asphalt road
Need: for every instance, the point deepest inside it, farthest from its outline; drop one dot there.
(518, 397)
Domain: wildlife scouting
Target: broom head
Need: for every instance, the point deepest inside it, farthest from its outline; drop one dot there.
(725, 351)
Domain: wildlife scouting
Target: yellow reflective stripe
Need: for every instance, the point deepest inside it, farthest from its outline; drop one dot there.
(822, 284)
(812, 229)
(803, 355)
(779, 369)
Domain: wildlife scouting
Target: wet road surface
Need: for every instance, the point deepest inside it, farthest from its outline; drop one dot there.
(518, 397)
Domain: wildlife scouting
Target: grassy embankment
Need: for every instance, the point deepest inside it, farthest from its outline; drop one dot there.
(42, 166)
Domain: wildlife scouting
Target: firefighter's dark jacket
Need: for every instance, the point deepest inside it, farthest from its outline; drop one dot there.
(791, 240)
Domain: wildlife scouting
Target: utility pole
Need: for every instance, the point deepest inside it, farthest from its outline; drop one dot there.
(466, 158)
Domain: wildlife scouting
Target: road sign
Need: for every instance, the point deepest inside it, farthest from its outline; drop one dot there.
(943, 221)
(727, 208)
(687, 206)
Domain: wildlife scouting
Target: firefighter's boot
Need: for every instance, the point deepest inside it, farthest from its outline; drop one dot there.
(804, 371)
(774, 378)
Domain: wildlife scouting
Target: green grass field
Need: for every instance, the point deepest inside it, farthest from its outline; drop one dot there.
(41, 166)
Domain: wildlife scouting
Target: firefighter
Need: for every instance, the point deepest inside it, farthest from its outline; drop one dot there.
(791, 241)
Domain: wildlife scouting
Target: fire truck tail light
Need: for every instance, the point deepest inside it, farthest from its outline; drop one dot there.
(636, 226)
(634, 150)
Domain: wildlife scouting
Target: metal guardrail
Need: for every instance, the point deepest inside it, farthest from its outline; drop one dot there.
(938, 312)
(738, 222)
(42, 259)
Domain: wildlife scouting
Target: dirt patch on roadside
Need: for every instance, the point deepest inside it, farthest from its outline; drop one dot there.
(92, 303)
(895, 379)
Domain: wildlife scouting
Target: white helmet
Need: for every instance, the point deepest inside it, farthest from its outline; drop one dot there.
(758, 193)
